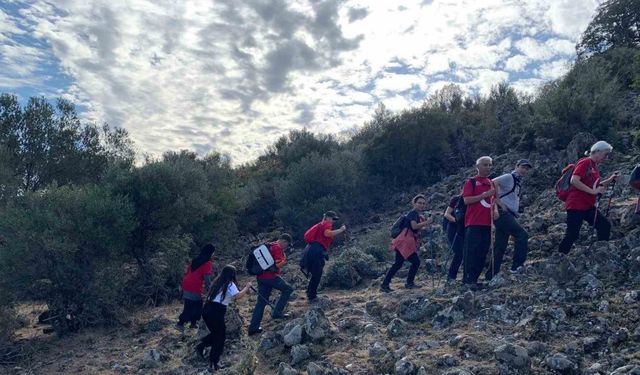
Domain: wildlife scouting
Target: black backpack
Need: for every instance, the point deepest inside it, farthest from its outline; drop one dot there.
(461, 208)
(253, 267)
(398, 226)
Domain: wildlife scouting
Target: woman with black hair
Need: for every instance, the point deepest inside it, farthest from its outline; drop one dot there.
(223, 291)
(198, 274)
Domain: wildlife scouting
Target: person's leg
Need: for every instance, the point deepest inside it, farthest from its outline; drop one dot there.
(394, 268)
(415, 264)
(602, 224)
(285, 292)
(264, 292)
(521, 246)
(219, 335)
(472, 238)
(484, 247)
(500, 245)
(196, 312)
(184, 315)
(574, 223)
(209, 321)
(458, 247)
(316, 266)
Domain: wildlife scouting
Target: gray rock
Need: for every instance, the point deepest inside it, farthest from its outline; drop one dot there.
(401, 352)
(315, 369)
(590, 344)
(513, 356)
(269, 340)
(422, 371)
(560, 362)
(285, 369)
(631, 297)
(458, 372)
(603, 306)
(405, 367)
(447, 317)
(294, 337)
(590, 282)
(464, 303)
(448, 360)
(299, 353)
(396, 328)
(627, 370)
(152, 358)
(497, 281)
(414, 310)
(316, 325)
(378, 350)
(618, 337)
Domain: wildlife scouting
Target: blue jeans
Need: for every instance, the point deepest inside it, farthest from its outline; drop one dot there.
(264, 292)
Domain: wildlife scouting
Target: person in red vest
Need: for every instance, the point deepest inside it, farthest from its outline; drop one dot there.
(198, 274)
(583, 195)
(268, 281)
(319, 238)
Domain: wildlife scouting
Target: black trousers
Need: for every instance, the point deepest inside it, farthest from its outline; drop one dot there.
(213, 316)
(415, 263)
(315, 265)
(507, 226)
(455, 236)
(477, 241)
(191, 312)
(574, 223)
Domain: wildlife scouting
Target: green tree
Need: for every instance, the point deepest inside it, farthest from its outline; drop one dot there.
(616, 24)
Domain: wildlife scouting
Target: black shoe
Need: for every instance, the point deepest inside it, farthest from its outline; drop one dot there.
(200, 351)
(386, 288)
(255, 332)
(282, 316)
(193, 325)
(412, 286)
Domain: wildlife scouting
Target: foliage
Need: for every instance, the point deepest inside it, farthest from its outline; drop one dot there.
(616, 24)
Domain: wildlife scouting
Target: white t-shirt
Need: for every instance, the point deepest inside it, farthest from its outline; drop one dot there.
(232, 290)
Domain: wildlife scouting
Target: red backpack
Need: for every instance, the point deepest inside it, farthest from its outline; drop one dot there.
(564, 182)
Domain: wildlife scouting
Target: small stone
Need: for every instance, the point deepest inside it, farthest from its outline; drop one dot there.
(294, 337)
(631, 297)
(561, 363)
(285, 369)
(377, 350)
(513, 356)
(448, 360)
(405, 367)
(396, 328)
(604, 306)
(299, 353)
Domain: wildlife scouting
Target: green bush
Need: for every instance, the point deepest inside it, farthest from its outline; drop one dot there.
(350, 267)
(66, 246)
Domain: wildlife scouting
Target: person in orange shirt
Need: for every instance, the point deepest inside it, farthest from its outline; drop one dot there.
(268, 281)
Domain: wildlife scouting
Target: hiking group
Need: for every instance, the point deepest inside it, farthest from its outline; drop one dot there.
(482, 203)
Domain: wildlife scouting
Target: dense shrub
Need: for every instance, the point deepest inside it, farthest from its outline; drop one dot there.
(66, 245)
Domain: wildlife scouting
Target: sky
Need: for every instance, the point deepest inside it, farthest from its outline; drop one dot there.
(233, 76)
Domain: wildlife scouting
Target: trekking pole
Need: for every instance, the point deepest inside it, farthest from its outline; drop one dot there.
(449, 258)
(264, 299)
(612, 186)
(595, 214)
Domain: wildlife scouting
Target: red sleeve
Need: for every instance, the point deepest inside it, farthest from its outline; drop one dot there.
(468, 189)
(326, 226)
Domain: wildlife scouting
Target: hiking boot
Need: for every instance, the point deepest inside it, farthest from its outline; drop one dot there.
(412, 286)
(255, 332)
(386, 288)
(282, 316)
(180, 326)
(193, 325)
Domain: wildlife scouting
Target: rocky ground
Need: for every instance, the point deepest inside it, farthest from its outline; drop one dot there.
(575, 314)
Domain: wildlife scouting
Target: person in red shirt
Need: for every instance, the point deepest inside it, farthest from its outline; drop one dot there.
(583, 194)
(322, 235)
(198, 274)
(268, 281)
(478, 195)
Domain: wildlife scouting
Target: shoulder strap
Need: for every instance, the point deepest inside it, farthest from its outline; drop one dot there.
(515, 184)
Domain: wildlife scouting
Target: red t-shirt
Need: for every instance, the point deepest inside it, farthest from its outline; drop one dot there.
(194, 281)
(321, 238)
(589, 174)
(478, 213)
(278, 256)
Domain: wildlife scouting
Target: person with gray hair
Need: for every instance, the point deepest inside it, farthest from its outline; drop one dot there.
(580, 204)
(478, 195)
(507, 201)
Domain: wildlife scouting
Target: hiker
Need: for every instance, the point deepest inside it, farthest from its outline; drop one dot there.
(507, 202)
(582, 197)
(407, 243)
(455, 236)
(319, 238)
(198, 274)
(267, 281)
(477, 195)
(223, 291)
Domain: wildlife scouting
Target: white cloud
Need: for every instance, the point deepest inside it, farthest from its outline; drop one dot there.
(234, 76)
